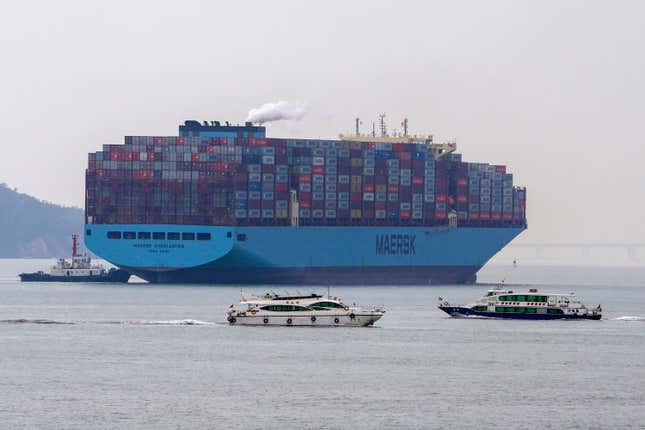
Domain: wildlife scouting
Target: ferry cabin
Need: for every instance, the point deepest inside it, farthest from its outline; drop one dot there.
(529, 303)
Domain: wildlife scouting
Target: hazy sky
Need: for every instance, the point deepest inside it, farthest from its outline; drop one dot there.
(555, 90)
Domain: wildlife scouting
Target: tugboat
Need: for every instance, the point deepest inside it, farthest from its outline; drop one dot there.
(531, 305)
(313, 310)
(79, 269)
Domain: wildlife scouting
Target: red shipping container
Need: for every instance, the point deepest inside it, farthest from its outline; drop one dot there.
(392, 188)
(462, 181)
(318, 170)
(368, 188)
(281, 186)
(304, 196)
(151, 156)
(496, 216)
(417, 180)
(157, 140)
(508, 216)
(180, 140)
(500, 169)
(379, 206)
(484, 216)
(304, 178)
(462, 198)
(441, 198)
(356, 196)
(405, 156)
(195, 156)
(473, 215)
(398, 147)
(305, 204)
(440, 215)
(404, 214)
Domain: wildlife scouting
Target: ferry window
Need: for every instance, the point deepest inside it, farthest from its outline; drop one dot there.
(158, 235)
(554, 311)
(500, 309)
(129, 235)
(521, 298)
(325, 305)
(480, 308)
(531, 310)
(143, 235)
(229, 234)
(88, 232)
(241, 237)
(203, 236)
(173, 236)
(530, 298)
(188, 236)
(114, 235)
(283, 308)
(502, 298)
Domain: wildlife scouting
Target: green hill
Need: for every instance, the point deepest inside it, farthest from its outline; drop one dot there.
(33, 228)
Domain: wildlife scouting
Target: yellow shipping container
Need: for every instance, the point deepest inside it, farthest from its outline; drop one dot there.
(281, 213)
(357, 179)
(381, 188)
(357, 162)
(356, 213)
(356, 188)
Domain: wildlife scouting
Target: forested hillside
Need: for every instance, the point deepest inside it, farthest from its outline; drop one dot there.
(33, 228)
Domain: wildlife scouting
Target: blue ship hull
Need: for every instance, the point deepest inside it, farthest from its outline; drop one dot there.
(459, 311)
(302, 255)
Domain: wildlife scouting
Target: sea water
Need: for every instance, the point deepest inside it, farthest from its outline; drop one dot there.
(79, 356)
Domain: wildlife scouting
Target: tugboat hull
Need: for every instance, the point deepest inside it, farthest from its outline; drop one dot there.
(114, 276)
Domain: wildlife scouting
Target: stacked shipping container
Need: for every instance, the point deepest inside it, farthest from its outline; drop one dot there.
(250, 181)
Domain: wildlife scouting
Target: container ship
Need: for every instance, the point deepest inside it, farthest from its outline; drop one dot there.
(224, 204)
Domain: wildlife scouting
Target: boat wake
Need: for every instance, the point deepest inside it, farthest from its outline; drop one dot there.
(169, 322)
(630, 318)
(34, 321)
(131, 322)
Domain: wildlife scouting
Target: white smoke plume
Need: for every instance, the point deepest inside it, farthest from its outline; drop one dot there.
(277, 111)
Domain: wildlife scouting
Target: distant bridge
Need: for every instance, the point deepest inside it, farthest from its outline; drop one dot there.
(631, 249)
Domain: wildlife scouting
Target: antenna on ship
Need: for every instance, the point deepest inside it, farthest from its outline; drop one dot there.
(373, 129)
(381, 121)
(404, 124)
(358, 126)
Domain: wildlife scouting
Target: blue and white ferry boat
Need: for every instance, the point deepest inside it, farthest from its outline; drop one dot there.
(531, 305)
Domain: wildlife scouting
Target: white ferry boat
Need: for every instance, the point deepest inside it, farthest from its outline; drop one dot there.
(312, 310)
(531, 305)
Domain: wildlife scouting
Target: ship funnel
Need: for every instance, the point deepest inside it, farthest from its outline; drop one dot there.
(277, 111)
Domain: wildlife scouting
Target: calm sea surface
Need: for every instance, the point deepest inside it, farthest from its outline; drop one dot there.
(140, 356)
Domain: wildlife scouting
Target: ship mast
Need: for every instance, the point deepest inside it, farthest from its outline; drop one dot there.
(74, 245)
